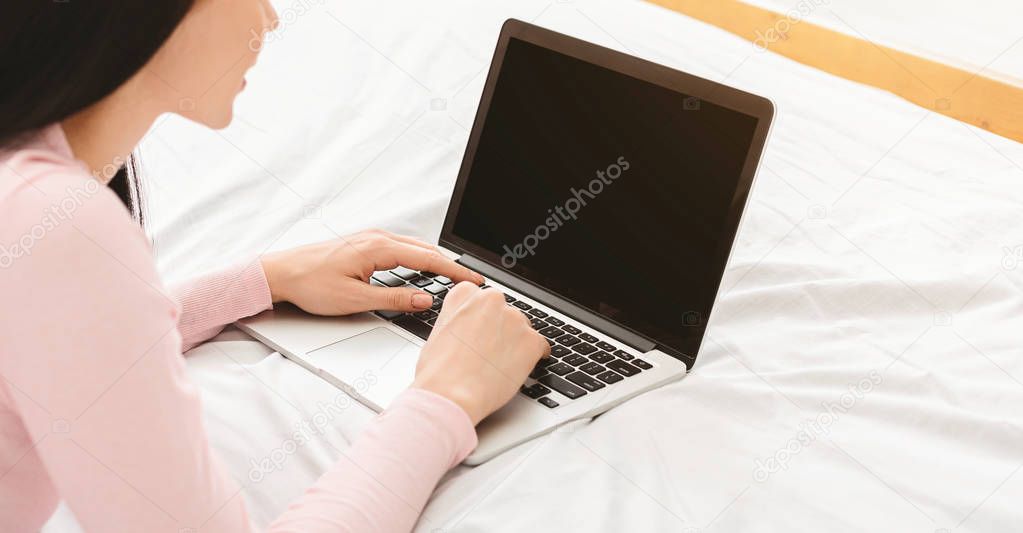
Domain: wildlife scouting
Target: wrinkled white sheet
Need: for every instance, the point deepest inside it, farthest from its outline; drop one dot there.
(862, 370)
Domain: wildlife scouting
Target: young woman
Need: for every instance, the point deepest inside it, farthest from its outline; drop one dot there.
(95, 406)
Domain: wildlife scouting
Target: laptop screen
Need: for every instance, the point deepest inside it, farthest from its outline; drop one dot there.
(605, 189)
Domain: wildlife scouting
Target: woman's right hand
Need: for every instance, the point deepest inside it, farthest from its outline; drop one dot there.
(480, 352)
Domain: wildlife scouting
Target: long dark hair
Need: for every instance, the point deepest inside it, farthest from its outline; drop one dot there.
(61, 56)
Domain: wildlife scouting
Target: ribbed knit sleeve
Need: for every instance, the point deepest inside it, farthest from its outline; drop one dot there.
(210, 302)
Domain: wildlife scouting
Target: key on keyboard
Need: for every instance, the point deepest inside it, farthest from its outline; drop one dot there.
(563, 387)
(388, 279)
(435, 289)
(575, 359)
(624, 355)
(551, 332)
(623, 368)
(405, 273)
(584, 348)
(413, 325)
(547, 402)
(568, 340)
(585, 381)
(560, 368)
(560, 351)
(610, 377)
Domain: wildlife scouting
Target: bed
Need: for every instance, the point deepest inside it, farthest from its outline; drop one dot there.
(862, 368)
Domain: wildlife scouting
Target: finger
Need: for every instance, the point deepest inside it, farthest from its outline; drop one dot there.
(532, 336)
(545, 348)
(397, 299)
(517, 315)
(455, 299)
(410, 240)
(418, 258)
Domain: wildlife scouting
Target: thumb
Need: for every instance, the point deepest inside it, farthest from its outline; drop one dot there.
(399, 299)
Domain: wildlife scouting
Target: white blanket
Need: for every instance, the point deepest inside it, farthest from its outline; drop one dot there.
(862, 369)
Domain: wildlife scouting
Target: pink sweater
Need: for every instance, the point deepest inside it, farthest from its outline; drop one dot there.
(95, 405)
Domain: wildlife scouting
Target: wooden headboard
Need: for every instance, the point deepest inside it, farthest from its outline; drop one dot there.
(965, 95)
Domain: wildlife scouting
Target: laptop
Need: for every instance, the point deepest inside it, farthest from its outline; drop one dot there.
(601, 194)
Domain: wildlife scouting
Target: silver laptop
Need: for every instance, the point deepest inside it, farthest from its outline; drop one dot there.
(601, 194)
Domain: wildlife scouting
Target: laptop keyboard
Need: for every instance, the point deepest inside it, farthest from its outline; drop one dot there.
(580, 362)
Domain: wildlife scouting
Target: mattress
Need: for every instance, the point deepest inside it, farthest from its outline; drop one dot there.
(861, 370)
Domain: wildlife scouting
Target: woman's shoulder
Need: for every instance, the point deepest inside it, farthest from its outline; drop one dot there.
(65, 237)
(76, 271)
(48, 200)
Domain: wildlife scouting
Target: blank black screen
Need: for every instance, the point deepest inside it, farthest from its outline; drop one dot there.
(644, 250)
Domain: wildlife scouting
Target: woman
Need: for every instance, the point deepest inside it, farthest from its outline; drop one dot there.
(95, 406)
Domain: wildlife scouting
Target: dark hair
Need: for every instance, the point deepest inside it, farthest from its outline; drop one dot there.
(61, 56)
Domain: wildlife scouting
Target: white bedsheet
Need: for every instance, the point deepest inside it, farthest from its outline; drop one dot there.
(874, 248)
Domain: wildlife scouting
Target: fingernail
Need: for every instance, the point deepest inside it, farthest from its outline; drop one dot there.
(422, 300)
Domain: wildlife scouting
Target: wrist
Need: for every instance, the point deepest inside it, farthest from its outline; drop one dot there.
(274, 270)
(464, 399)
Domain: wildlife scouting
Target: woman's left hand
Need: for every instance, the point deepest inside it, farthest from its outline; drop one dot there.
(332, 278)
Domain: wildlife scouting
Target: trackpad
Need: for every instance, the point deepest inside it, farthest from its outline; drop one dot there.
(374, 366)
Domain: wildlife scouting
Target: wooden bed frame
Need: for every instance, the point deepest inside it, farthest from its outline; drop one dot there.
(965, 95)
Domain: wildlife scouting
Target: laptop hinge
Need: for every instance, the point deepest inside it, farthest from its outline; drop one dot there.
(553, 301)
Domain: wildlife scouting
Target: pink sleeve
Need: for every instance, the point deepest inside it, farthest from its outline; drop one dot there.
(210, 302)
(384, 481)
(93, 372)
